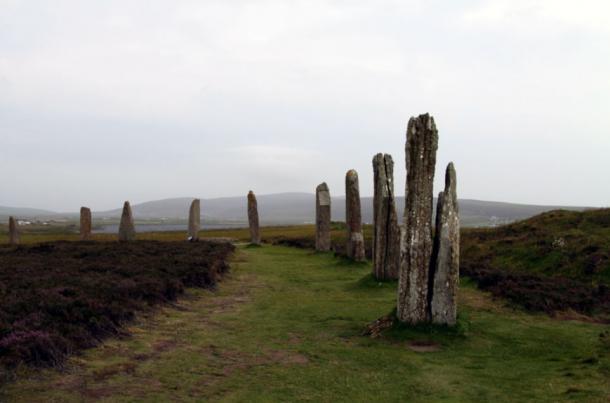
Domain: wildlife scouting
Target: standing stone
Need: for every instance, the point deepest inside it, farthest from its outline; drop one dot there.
(85, 224)
(422, 144)
(446, 255)
(353, 219)
(323, 218)
(386, 232)
(255, 235)
(127, 230)
(194, 220)
(13, 232)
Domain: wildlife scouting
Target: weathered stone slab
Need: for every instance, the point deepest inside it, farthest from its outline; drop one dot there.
(324, 197)
(421, 147)
(194, 220)
(255, 235)
(13, 232)
(127, 229)
(386, 232)
(353, 219)
(323, 241)
(85, 224)
(446, 255)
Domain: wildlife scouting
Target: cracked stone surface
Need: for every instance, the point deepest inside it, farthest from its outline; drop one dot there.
(255, 235)
(446, 254)
(194, 220)
(421, 147)
(85, 224)
(323, 216)
(386, 232)
(127, 229)
(13, 232)
(353, 219)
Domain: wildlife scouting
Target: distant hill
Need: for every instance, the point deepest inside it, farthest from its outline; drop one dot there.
(284, 208)
(299, 208)
(20, 212)
(294, 208)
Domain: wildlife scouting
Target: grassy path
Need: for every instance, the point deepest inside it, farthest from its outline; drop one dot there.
(286, 326)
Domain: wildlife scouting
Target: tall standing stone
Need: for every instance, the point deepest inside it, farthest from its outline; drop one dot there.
(422, 144)
(386, 232)
(194, 220)
(446, 255)
(353, 219)
(323, 243)
(13, 232)
(85, 224)
(255, 235)
(127, 229)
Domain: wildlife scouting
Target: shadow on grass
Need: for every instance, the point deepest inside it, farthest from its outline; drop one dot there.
(320, 253)
(369, 282)
(389, 328)
(342, 261)
(402, 331)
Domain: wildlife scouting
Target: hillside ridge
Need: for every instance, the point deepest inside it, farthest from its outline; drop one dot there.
(293, 208)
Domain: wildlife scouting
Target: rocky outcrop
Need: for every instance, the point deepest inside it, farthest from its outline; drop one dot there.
(446, 255)
(353, 219)
(127, 229)
(194, 220)
(323, 243)
(255, 235)
(386, 232)
(85, 224)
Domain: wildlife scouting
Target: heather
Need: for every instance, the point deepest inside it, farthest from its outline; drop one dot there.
(61, 297)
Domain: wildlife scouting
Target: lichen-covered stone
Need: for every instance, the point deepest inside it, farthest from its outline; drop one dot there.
(194, 220)
(386, 232)
(85, 224)
(355, 239)
(255, 235)
(421, 147)
(446, 255)
(127, 229)
(323, 243)
(13, 232)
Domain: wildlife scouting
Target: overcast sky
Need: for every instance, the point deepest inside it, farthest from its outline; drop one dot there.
(106, 101)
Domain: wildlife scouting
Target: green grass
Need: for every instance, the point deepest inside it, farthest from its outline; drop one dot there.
(287, 325)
